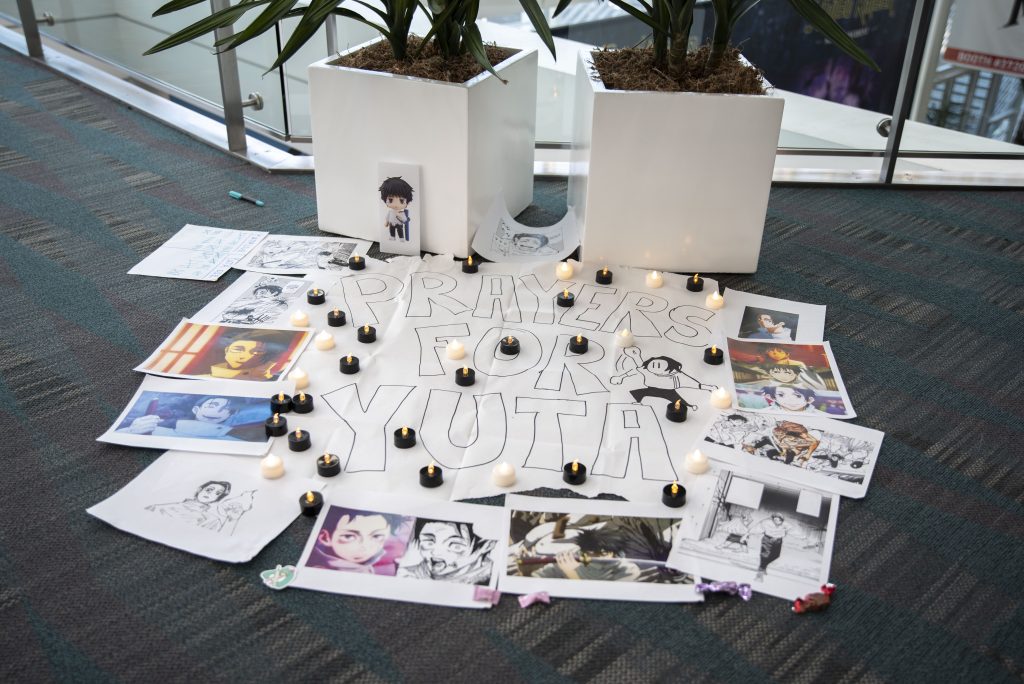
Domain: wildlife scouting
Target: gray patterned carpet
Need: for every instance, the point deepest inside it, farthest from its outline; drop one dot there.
(925, 295)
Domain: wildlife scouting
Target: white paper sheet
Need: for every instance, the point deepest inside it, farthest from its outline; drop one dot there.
(406, 549)
(300, 255)
(750, 316)
(502, 239)
(198, 253)
(258, 299)
(774, 547)
(830, 455)
(585, 548)
(210, 505)
(217, 416)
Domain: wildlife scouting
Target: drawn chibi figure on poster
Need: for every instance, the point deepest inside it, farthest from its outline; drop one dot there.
(266, 301)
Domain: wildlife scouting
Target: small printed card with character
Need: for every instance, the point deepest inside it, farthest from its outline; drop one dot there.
(399, 205)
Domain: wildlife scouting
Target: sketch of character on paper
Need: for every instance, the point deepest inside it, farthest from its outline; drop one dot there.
(659, 376)
(365, 542)
(197, 416)
(592, 547)
(266, 301)
(209, 508)
(287, 254)
(447, 551)
(767, 324)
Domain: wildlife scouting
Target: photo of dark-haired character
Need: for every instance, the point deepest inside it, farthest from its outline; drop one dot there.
(768, 324)
(396, 194)
(535, 244)
(661, 376)
(365, 542)
(592, 547)
(449, 552)
(266, 301)
(789, 378)
(209, 508)
(197, 416)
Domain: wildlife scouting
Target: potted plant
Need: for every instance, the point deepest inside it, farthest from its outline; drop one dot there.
(465, 112)
(674, 149)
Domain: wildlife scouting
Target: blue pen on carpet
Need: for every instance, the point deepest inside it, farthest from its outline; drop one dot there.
(240, 196)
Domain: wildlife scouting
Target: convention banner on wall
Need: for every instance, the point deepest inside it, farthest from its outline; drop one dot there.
(988, 35)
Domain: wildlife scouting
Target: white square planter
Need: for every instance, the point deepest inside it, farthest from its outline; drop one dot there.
(472, 140)
(671, 181)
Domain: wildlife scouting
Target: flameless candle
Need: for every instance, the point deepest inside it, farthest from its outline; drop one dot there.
(300, 319)
(300, 378)
(604, 276)
(574, 473)
(280, 403)
(470, 265)
(302, 402)
(431, 476)
(275, 425)
(503, 475)
(271, 467)
(316, 296)
(676, 412)
(714, 301)
(579, 345)
(311, 503)
(455, 350)
(465, 376)
(349, 364)
(566, 299)
(324, 341)
(367, 334)
(624, 338)
(405, 438)
(695, 284)
(713, 356)
(509, 345)
(298, 440)
(336, 318)
(328, 465)
(673, 495)
(564, 270)
(654, 279)
(721, 398)
(696, 462)
(356, 262)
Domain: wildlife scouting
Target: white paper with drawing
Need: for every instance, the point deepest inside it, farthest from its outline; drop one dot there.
(539, 409)
(750, 316)
(406, 549)
(501, 238)
(198, 253)
(298, 255)
(257, 299)
(773, 534)
(210, 505)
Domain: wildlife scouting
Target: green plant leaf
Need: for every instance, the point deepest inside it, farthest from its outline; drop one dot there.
(355, 16)
(823, 22)
(316, 14)
(273, 13)
(175, 5)
(475, 45)
(647, 19)
(540, 23)
(376, 10)
(560, 7)
(436, 22)
(217, 20)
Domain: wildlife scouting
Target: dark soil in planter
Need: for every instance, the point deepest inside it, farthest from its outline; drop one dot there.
(430, 64)
(633, 69)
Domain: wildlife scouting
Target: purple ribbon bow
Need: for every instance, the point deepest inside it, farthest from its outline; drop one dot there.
(527, 600)
(486, 594)
(732, 588)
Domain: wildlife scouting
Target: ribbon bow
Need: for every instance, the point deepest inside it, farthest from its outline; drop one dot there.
(527, 600)
(486, 594)
(732, 588)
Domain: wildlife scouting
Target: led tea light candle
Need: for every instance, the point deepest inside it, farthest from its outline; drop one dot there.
(697, 462)
(367, 334)
(713, 356)
(503, 475)
(275, 425)
(676, 411)
(470, 265)
(509, 345)
(579, 345)
(336, 318)
(465, 376)
(574, 473)
(721, 398)
(431, 476)
(302, 402)
(566, 299)
(673, 495)
(356, 262)
(299, 440)
(604, 276)
(564, 270)
(624, 338)
(299, 318)
(324, 341)
(654, 279)
(405, 438)
(280, 403)
(316, 296)
(455, 350)
(714, 301)
(328, 465)
(300, 378)
(271, 467)
(695, 284)
(311, 502)
(349, 364)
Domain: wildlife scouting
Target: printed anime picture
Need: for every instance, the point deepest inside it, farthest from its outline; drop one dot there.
(370, 542)
(399, 201)
(197, 416)
(211, 507)
(763, 531)
(592, 547)
(787, 378)
(268, 299)
(286, 254)
(766, 324)
(200, 350)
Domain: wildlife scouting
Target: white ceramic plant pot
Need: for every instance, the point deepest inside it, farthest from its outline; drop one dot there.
(471, 140)
(671, 181)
